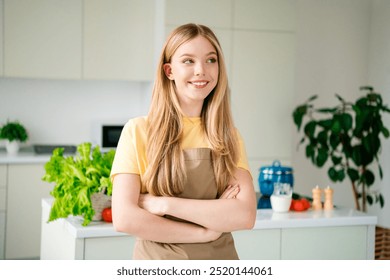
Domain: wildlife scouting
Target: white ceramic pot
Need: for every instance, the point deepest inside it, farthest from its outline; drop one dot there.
(12, 147)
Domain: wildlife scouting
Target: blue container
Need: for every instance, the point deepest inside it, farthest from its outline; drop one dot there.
(274, 174)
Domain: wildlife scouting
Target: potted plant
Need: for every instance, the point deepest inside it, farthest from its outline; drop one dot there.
(348, 137)
(14, 133)
(82, 182)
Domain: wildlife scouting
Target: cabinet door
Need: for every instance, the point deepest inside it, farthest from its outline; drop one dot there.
(258, 244)
(119, 39)
(1, 37)
(328, 243)
(109, 248)
(270, 16)
(3, 186)
(262, 92)
(23, 224)
(213, 13)
(3, 189)
(42, 38)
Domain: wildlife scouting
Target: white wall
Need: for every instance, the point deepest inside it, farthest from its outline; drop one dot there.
(379, 75)
(65, 112)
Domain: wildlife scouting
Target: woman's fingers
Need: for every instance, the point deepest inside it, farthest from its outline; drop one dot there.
(231, 192)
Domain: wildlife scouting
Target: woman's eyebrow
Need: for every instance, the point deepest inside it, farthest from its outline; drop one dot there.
(192, 55)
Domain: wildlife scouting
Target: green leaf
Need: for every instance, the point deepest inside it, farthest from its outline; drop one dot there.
(346, 121)
(380, 171)
(336, 160)
(369, 88)
(381, 201)
(369, 199)
(336, 126)
(326, 124)
(332, 173)
(310, 128)
(298, 115)
(323, 138)
(340, 98)
(334, 140)
(368, 177)
(353, 174)
(385, 132)
(327, 110)
(310, 151)
(340, 175)
(311, 98)
(322, 157)
(356, 155)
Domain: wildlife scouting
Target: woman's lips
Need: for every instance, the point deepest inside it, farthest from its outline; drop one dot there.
(199, 84)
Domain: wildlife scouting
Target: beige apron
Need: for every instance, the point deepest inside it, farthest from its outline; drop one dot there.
(200, 185)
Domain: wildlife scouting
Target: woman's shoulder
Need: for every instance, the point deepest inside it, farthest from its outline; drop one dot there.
(137, 122)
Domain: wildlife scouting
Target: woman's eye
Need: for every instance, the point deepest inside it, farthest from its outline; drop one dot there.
(211, 60)
(187, 61)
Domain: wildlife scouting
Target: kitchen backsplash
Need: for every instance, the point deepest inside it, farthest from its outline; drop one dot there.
(65, 112)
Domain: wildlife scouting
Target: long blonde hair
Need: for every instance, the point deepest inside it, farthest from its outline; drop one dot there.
(165, 174)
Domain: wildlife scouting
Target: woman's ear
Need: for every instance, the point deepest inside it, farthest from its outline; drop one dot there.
(168, 71)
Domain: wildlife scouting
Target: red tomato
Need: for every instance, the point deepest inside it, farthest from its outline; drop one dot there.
(299, 205)
(306, 203)
(107, 215)
(292, 204)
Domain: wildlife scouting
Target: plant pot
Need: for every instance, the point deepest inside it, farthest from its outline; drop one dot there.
(12, 147)
(99, 202)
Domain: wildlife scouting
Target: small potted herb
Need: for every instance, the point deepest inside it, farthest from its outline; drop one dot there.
(14, 133)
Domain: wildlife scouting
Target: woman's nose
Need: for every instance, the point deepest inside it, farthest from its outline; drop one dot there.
(199, 69)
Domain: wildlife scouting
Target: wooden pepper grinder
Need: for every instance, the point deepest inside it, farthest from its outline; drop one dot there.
(317, 204)
(328, 205)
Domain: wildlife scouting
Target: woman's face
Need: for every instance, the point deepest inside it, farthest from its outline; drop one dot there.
(194, 69)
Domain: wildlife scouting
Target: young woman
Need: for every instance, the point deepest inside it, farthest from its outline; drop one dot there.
(181, 181)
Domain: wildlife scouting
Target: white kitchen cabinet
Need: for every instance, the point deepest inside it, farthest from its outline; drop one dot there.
(1, 38)
(42, 39)
(262, 91)
(25, 191)
(329, 243)
(325, 243)
(258, 244)
(214, 13)
(79, 39)
(3, 193)
(265, 15)
(119, 39)
(67, 239)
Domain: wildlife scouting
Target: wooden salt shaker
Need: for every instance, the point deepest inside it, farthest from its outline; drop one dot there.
(328, 205)
(317, 204)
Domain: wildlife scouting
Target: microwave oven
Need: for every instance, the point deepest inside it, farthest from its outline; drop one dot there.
(110, 135)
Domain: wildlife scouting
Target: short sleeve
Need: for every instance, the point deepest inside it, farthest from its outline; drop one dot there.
(243, 159)
(130, 156)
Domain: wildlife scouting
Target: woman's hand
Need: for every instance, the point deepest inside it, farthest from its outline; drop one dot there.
(152, 204)
(230, 192)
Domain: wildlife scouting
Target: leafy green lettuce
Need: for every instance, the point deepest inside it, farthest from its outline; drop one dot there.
(76, 178)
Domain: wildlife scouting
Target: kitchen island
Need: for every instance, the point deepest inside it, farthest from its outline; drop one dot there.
(336, 234)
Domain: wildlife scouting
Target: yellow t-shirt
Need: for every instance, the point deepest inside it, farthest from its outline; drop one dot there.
(130, 156)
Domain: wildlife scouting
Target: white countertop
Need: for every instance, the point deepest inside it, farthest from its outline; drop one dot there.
(22, 157)
(266, 219)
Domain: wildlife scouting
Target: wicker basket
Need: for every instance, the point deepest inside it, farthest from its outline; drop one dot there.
(99, 202)
(382, 243)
